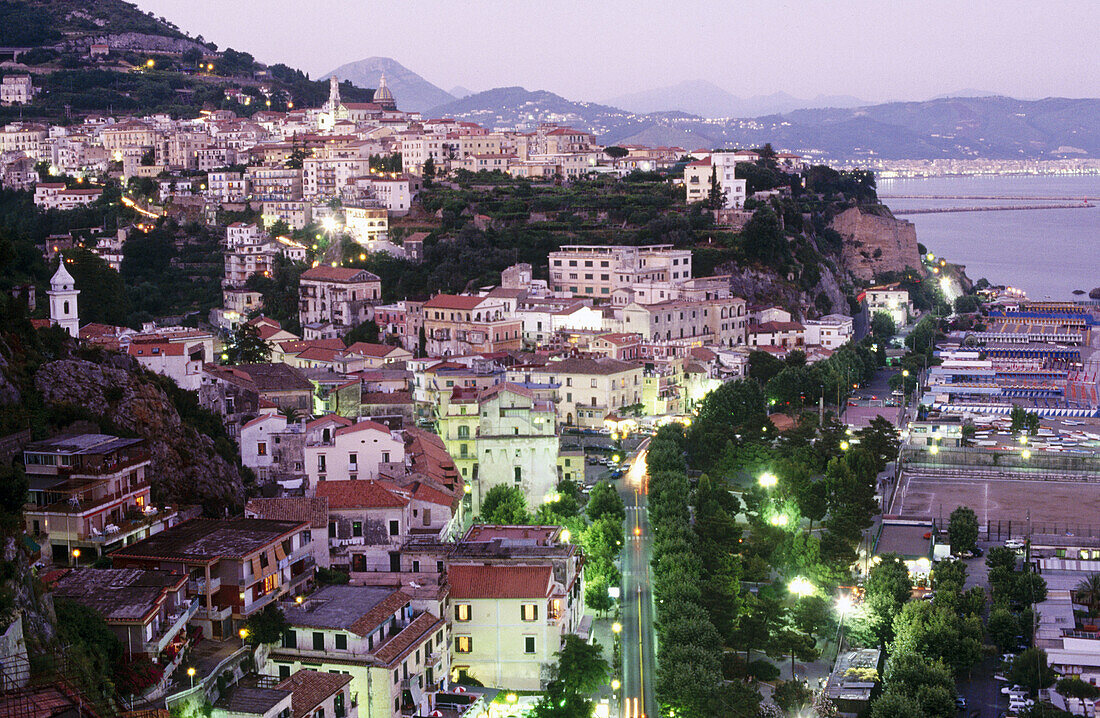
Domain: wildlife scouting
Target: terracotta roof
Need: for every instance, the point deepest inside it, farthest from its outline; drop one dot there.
(423, 492)
(383, 397)
(204, 540)
(489, 581)
(771, 327)
(430, 457)
(339, 274)
(313, 509)
(318, 354)
(367, 494)
(262, 418)
(381, 612)
(370, 350)
(418, 631)
(453, 301)
(342, 420)
(363, 426)
(309, 689)
(152, 349)
(578, 365)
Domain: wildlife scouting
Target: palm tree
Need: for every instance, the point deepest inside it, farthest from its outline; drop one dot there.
(1088, 592)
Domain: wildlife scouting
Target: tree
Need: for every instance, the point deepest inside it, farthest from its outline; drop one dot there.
(962, 529)
(428, 172)
(716, 198)
(246, 346)
(790, 642)
(881, 440)
(604, 500)
(936, 632)
(1087, 592)
(267, 626)
(1001, 557)
(1074, 687)
(1003, 626)
(888, 587)
(882, 326)
(1032, 670)
(792, 696)
(504, 504)
(615, 152)
(763, 366)
(103, 296)
(365, 332)
(1029, 588)
(813, 616)
(580, 671)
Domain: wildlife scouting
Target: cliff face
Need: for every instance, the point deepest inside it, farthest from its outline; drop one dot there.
(185, 467)
(874, 244)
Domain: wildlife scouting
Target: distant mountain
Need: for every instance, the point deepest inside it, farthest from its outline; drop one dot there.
(949, 128)
(458, 91)
(704, 98)
(412, 92)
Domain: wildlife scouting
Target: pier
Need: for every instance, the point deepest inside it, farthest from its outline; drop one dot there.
(994, 208)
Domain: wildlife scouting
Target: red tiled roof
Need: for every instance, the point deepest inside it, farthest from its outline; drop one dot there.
(313, 509)
(309, 689)
(370, 350)
(342, 420)
(382, 611)
(423, 492)
(368, 494)
(152, 349)
(363, 426)
(418, 631)
(453, 301)
(481, 581)
(315, 353)
(338, 274)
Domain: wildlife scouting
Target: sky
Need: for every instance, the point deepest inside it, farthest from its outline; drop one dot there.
(873, 49)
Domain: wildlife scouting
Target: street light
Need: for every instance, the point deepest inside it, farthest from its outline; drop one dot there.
(512, 698)
(616, 627)
(778, 520)
(1025, 454)
(191, 675)
(800, 586)
(243, 633)
(615, 684)
(844, 446)
(768, 480)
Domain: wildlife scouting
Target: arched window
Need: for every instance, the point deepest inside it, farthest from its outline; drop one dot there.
(66, 308)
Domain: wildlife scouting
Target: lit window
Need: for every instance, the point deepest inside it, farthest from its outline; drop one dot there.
(464, 644)
(462, 612)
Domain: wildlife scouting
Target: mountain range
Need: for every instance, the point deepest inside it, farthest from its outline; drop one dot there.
(704, 98)
(412, 92)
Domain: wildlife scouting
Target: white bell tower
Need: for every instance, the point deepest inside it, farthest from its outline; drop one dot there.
(63, 294)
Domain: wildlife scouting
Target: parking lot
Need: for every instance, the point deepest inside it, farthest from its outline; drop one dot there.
(1055, 503)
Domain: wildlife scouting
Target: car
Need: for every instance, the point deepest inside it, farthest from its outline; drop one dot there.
(960, 703)
(1009, 690)
(1008, 657)
(1000, 677)
(978, 551)
(966, 554)
(1015, 544)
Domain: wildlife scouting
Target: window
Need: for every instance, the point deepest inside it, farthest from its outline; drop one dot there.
(462, 612)
(353, 460)
(385, 457)
(416, 566)
(394, 528)
(271, 583)
(332, 529)
(290, 639)
(464, 644)
(528, 644)
(341, 642)
(321, 467)
(529, 611)
(518, 472)
(284, 671)
(592, 383)
(356, 528)
(318, 641)
(261, 448)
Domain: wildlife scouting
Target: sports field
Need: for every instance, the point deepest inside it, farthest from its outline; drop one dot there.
(993, 500)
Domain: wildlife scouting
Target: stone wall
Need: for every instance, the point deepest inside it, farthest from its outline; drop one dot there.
(875, 244)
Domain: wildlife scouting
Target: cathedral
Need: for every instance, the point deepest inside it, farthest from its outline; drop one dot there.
(336, 110)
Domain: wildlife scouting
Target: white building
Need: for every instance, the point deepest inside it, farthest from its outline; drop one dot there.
(16, 90)
(722, 166)
(339, 450)
(63, 294)
(830, 331)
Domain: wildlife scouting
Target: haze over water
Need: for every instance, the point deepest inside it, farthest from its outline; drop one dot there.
(1047, 252)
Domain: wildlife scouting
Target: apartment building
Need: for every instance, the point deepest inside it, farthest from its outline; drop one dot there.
(88, 494)
(462, 324)
(366, 224)
(515, 593)
(891, 299)
(338, 449)
(235, 567)
(309, 509)
(55, 195)
(16, 90)
(24, 138)
(713, 321)
(502, 435)
(274, 184)
(396, 655)
(722, 167)
(236, 392)
(595, 271)
(586, 390)
(787, 335)
(334, 300)
(830, 331)
(147, 610)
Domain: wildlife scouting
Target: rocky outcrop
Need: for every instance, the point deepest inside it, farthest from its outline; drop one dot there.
(757, 286)
(185, 467)
(875, 243)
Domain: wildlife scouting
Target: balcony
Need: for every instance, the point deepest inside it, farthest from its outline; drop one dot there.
(171, 626)
(213, 614)
(200, 587)
(257, 604)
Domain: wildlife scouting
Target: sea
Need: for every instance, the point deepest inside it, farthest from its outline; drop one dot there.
(1048, 253)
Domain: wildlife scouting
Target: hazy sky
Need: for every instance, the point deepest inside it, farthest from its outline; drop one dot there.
(595, 49)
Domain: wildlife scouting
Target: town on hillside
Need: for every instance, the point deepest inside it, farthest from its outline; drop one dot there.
(343, 411)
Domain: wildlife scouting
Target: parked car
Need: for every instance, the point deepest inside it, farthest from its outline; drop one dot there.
(1015, 544)
(1009, 690)
(960, 703)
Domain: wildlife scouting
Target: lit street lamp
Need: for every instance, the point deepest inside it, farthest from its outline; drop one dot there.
(768, 480)
(191, 675)
(801, 586)
(616, 627)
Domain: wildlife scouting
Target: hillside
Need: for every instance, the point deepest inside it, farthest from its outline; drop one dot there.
(413, 92)
(187, 74)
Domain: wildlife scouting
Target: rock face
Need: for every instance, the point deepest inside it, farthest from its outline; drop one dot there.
(185, 467)
(874, 244)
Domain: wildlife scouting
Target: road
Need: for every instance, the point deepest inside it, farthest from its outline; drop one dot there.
(638, 645)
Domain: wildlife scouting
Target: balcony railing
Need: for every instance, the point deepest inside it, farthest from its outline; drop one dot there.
(171, 627)
(200, 587)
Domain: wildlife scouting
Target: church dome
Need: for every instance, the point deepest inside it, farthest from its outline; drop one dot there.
(383, 96)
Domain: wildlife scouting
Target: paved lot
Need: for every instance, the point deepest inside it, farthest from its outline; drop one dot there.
(1049, 502)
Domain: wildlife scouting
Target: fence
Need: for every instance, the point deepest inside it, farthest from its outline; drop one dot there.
(1038, 461)
(1003, 529)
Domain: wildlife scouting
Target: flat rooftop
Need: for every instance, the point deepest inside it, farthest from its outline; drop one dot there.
(81, 444)
(204, 540)
(359, 609)
(120, 595)
(905, 539)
